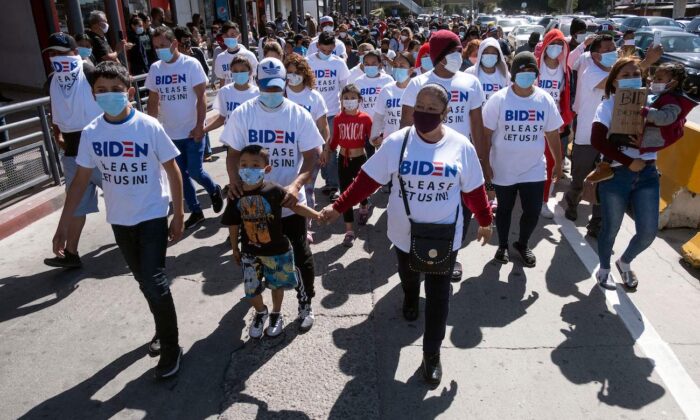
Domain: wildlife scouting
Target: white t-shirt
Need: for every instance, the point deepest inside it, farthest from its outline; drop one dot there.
(603, 115)
(310, 100)
(229, 98)
(589, 98)
(435, 175)
(388, 110)
(492, 83)
(72, 104)
(355, 73)
(465, 95)
(519, 126)
(175, 83)
(287, 132)
(222, 63)
(331, 76)
(339, 49)
(551, 81)
(129, 155)
(370, 88)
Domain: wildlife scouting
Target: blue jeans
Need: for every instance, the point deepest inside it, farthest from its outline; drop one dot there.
(207, 145)
(638, 191)
(330, 171)
(190, 163)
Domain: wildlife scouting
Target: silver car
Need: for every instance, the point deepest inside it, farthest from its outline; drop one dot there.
(521, 34)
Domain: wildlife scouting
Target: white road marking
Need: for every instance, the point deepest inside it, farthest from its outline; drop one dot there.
(678, 382)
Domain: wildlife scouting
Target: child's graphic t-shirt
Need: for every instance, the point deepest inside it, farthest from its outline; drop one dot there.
(260, 213)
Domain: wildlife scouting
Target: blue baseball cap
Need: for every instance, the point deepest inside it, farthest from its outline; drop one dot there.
(271, 72)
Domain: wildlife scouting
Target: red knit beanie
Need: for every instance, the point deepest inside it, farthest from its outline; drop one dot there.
(441, 43)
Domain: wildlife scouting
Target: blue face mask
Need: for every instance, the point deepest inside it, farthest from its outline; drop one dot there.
(112, 103)
(324, 57)
(84, 52)
(231, 43)
(489, 60)
(525, 79)
(271, 99)
(240, 78)
(139, 30)
(608, 59)
(371, 71)
(251, 176)
(400, 75)
(633, 83)
(426, 62)
(164, 54)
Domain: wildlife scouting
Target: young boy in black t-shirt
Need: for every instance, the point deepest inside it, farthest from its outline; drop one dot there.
(265, 255)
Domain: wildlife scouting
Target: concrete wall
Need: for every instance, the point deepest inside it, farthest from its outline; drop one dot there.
(20, 53)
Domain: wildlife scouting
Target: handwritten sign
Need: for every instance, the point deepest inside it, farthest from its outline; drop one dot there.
(627, 117)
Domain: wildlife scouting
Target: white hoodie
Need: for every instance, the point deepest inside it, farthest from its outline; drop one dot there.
(491, 83)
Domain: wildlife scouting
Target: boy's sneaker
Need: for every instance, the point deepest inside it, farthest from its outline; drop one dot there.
(258, 325)
(217, 200)
(169, 362)
(68, 260)
(363, 216)
(154, 347)
(306, 317)
(603, 171)
(194, 219)
(349, 239)
(605, 281)
(502, 255)
(546, 212)
(276, 325)
(525, 252)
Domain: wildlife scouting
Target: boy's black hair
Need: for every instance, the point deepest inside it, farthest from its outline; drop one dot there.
(595, 45)
(182, 32)
(111, 70)
(257, 150)
(164, 31)
(228, 25)
(326, 39)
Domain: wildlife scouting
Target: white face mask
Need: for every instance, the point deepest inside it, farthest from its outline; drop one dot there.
(104, 27)
(453, 62)
(328, 28)
(404, 38)
(351, 104)
(553, 51)
(629, 42)
(342, 34)
(294, 79)
(657, 88)
(580, 38)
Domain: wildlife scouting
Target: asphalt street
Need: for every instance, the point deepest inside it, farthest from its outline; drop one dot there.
(541, 343)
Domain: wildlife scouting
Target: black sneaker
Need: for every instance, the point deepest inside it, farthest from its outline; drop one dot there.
(592, 229)
(217, 200)
(154, 347)
(410, 308)
(571, 213)
(169, 363)
(432, 368)
(69, 260)
(529, 258)
(328, 190)
(502, 255)
(194, 219)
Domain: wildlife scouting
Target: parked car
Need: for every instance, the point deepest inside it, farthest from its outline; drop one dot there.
(694, 26)
(521, 34)
(637, 22)
(508, 24)
(483, 21)
(679, 47)
(544, 21)
(564, 25)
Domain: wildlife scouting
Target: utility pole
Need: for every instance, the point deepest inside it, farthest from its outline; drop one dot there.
(679, 8)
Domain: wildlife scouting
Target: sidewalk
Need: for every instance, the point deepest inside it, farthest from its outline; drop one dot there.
(521, 343)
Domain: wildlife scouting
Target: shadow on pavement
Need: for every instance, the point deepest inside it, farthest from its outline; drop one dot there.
(52, 286)
(196, 393)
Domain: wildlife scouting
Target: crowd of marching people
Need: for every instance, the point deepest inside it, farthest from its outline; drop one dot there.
(442, 116)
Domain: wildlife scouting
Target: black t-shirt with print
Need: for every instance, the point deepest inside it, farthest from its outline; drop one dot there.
(260, 213)
(100, 46)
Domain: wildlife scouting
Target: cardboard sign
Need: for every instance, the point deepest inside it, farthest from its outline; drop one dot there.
(627, 117)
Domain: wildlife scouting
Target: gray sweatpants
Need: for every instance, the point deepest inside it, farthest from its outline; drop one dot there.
(583, 160)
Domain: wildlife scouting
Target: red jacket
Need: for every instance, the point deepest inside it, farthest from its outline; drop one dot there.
(565, 99)
(674, 131)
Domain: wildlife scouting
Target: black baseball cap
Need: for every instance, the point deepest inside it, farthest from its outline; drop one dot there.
(61, 42)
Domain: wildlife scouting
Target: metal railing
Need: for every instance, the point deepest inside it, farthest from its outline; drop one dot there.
(33, 158)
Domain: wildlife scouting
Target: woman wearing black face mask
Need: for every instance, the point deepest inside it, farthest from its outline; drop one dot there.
(435, 168)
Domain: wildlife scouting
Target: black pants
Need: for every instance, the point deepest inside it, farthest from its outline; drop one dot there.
(347, 171)
(144, 246)
(294, 227)
(437, 300)
(531, 202)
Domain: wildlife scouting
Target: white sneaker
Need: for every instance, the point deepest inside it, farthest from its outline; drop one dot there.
(258, 325)
(546, 212)
(306, 316)
(276, 325)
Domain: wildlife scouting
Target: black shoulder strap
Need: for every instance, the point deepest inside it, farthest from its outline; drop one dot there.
(403, 190)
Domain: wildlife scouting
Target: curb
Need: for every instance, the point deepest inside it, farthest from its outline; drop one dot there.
(29, 210)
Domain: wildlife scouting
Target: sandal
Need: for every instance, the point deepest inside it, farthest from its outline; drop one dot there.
(349, 239)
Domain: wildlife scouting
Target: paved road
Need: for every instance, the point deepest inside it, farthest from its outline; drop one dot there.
(528, 343)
